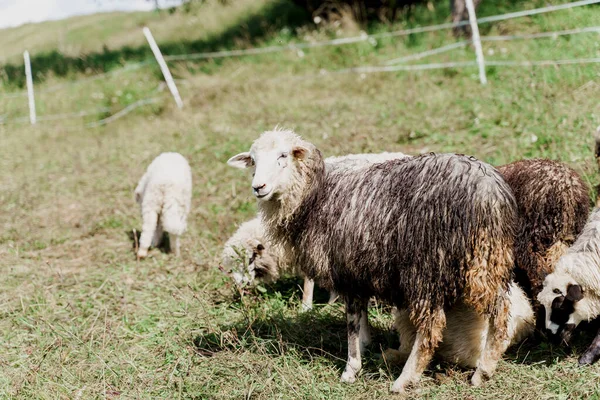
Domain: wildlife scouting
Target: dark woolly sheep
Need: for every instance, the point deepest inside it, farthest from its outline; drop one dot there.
(553, 203)
(248, 255)
(423, 233)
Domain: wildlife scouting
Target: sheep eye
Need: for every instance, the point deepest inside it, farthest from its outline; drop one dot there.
(283, 155)
(556, 291)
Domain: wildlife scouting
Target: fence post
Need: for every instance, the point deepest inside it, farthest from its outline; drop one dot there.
(29, 80)
(476, 41)
(163, 67)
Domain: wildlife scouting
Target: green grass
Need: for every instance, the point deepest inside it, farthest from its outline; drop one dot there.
(80, 318)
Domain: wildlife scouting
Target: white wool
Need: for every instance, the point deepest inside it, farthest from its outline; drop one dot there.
(164, 194)
(462, 339)
(580, 265)
(251, 232)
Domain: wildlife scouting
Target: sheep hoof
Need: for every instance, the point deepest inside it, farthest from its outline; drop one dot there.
(588, 358)
(399, 386)
(348, 377)
(305, 307)
(477, 379)
(142, 254)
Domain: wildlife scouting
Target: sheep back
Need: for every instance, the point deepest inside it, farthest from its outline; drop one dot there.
(553, 202)
(421, 232)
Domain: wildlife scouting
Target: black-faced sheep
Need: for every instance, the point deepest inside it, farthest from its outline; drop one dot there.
(423, 233)
(571, 294)
(249, 255)
(164, 194)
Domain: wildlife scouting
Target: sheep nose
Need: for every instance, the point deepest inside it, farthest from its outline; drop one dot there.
(258, 187)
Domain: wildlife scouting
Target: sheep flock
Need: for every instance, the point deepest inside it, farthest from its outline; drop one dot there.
(468, 258)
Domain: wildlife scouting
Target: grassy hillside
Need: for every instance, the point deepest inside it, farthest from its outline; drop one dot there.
(80, 318)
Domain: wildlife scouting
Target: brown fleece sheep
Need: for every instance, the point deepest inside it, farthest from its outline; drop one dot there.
(553, 203)
(424, 233)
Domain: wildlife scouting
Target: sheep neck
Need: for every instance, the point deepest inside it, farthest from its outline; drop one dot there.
(279, 214)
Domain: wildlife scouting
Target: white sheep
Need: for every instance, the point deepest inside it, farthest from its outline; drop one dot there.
(571, 294)
(164, 194)
(461, 343)
(249, 255)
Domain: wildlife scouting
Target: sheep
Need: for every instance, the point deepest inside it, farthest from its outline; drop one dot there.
(423, 233)
(571, 294)
(164, 194)
(248, 254)
(553, 203)
(461, 342)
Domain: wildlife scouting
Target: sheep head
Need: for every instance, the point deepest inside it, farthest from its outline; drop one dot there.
(281, 162)
(566, 304)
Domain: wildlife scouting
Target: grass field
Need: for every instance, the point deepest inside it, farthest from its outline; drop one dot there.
(81, 318)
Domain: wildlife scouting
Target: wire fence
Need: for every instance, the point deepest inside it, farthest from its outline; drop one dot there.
(392, 65)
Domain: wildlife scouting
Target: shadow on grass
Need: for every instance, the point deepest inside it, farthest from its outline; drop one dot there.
(164, 245)
(274, 16)
(320, 333)
(309, 335)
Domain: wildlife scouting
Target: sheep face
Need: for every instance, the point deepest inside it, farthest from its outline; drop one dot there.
(274, 158)
(564, 303)
(260, 265)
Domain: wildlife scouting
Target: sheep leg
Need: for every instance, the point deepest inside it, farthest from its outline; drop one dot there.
(429, 334)
(407, 333)
(495, 340)
(365, 331)
(354, 311)
(158, 233)
(333, 296)
(307, 294)
(592, 354)
(175, 238)
(150, 220)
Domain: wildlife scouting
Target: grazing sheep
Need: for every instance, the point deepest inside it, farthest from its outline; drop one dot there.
(423, 233)
(164, 194)
(248, 255)
(461, 343)
(553, 203)
(571, 294)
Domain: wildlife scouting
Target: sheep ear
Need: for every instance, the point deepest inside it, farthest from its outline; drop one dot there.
(242, 160)
(300, 152)
(574, 293)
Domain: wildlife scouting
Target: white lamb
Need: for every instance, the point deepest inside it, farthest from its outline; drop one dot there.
(248, 254)
(461, 343)
(164, 194)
